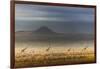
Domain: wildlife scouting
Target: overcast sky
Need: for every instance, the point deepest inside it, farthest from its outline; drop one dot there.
(59, 19)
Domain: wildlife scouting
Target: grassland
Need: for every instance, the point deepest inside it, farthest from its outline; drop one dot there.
(55, 55)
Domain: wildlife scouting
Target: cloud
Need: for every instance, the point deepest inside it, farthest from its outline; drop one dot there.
(55, 17)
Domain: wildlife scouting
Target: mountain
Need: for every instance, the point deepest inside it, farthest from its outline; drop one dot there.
(44, 30)
(44, 34)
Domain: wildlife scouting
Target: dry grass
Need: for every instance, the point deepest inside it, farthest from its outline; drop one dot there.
(27, 57)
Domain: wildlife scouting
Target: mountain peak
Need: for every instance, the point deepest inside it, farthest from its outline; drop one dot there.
(45, 30)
